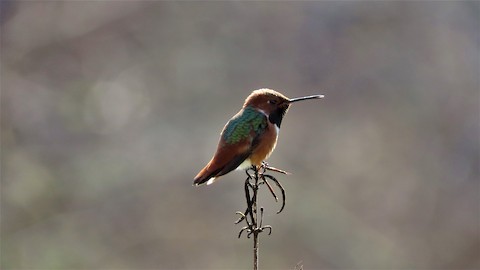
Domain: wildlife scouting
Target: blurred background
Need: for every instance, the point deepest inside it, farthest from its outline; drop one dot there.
(109, 109)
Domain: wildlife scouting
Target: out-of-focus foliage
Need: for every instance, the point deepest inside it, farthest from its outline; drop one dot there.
(110, 108)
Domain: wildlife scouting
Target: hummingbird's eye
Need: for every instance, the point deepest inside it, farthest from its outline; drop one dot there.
(272, 101)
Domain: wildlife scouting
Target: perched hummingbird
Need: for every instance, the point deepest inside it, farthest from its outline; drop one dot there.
(250, 136)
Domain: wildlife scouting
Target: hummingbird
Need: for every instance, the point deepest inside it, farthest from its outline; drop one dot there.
(250, 136)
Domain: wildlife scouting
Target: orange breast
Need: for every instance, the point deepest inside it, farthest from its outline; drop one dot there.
(267, 143)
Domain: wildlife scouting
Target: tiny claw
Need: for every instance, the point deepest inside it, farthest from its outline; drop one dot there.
(250, 172)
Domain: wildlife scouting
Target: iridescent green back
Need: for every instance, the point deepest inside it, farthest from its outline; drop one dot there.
(241, 125)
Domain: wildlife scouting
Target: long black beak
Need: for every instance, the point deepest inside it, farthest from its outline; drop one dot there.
(305, 98)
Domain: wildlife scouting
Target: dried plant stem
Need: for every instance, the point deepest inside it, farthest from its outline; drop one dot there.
(255, 251)
(256, 231)
(257, 177)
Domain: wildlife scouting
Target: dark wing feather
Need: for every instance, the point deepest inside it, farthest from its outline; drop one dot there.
(230, 166)
(229, 156)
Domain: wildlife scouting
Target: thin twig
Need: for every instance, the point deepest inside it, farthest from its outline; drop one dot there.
(255, 178)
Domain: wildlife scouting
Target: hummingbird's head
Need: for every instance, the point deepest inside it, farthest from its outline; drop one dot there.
(274, 104)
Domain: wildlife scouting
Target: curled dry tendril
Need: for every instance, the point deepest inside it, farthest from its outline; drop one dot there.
(255, 178)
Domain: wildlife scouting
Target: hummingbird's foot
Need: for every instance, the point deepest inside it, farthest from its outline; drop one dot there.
(251, 172)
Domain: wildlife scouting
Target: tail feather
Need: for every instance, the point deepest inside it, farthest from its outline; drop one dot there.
(205, 176)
